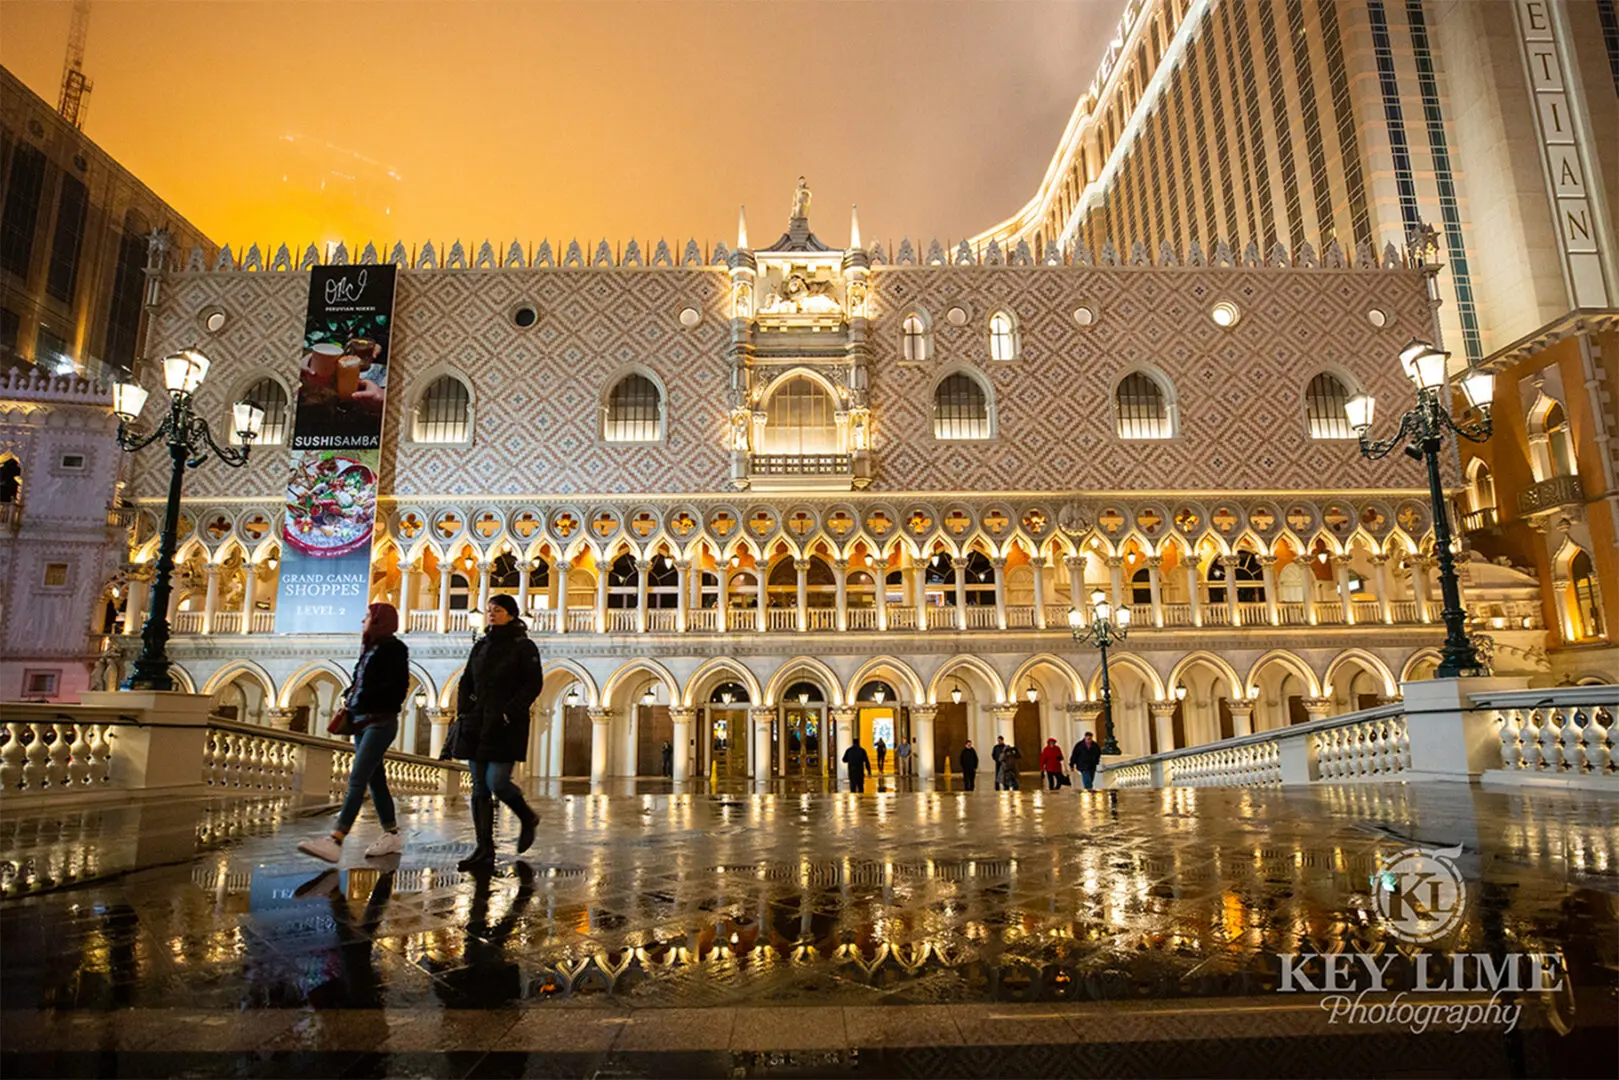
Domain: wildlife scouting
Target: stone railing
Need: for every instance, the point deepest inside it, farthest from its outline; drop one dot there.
(122, 745)
(1483, 730)
(1550, 494)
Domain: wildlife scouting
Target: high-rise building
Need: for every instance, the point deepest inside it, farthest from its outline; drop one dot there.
(74, 226)
(1361, 123)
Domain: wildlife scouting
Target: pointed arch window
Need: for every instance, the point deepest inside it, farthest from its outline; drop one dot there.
(1143, 408)
(1587, 597)
(444, 412)
(1480, 486)
(916, 340)
(1324, 401)
(1247, 576)
(269, 395)
(1559, 443)
(1003, 342)
(634, 411)
(801, 418)
(960, 408)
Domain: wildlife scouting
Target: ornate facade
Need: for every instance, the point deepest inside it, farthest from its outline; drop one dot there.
(758, 501)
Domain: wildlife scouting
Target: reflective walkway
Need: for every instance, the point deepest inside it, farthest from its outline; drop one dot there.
(660, 933)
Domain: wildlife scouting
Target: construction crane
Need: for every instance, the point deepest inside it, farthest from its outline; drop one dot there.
(75, 101)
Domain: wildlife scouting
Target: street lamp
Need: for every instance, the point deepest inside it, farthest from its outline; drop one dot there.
(1032, 693)
(1422, 432)
(475, 624)
(955, 694)
(190, 442)
(572, 697)
(1107, 627)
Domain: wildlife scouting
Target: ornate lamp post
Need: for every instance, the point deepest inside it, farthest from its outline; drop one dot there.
(1422, 430)
(1107, 626)
(190, 442)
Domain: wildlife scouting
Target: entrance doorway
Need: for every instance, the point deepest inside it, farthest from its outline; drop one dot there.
(575, 740)
(653, 728)
(949, 737)
(1026, 735)
(804, 742)
(725, 744)
(880, 723)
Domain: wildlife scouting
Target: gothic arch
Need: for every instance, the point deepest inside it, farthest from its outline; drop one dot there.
(912, 692)
(713, 666)
(645, 666)
(1426, 655)
(977, 666)
(577, 671)
(227, 674)
(297, 679)
(1134, 663)
(1076, 681)
(1215, 661)
(789, 671)
(1292, 663)
(1371, 661)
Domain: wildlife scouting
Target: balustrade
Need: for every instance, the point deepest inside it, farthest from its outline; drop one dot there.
(1405, 611)
(581, 621)
(662, 620)
(1329, 613)
(1216, 615)
(1177, 615)
(1379, 747)
(622, 621)
(1021, 617)
(703, 620)
(1572, 737)
(186, 622)
(1253, 614)
(901, 617)
(981, 617)
(782, 620)
(423, 622)
(263, 622)
(227, 622)
(1057, 616)
(866, 618)
(1252, 765)
(1368, 611)
(460, 622)
(1293, 614)
(822, 618)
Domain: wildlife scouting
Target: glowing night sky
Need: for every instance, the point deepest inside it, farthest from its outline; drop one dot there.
(433, 120)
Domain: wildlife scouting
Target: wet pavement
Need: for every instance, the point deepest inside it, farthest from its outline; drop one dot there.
(795, 933)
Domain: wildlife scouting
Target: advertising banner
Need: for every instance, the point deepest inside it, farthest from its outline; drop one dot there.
(337, 430)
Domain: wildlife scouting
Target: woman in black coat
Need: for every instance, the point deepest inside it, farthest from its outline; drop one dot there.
(501, 681)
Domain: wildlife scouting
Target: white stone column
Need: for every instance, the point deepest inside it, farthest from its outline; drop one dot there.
(1193, 600)
(999, 566)
(683, 573)
(1155, 582)
(135, 606)
(919, 579)
(1229, 563)
(1319, 708)
(1242, 717)
(484, 566)
(1076, 585)
(523, 568)
(1340, 570)
(1085, 716)
(1420, 583)
(600, 730)
(1115, 580)
(846, 719)
(960, 567)
(1385, 598)
(1005, 728)
(761, 574)
(1308, 566)
(445, 570)
(601, 596)
(682, 721)
(439, 721)
(562, 595)
(922, 729)
(643, 568)
(1267, 569)
(722, 603)
(1163, 718)
(176, 582)
(1037, 567)
(801, 566)
(764, 723)
(879, 569)
(840, 570)
(250, 597)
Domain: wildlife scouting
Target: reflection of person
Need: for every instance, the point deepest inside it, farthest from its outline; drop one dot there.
(485, 978)
(357, 987)
(374, 697)
(502, 679)
(859, 763)
(1051, 764)
(969, 766)
(1086, 757)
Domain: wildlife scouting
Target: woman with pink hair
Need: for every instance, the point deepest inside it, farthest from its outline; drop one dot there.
(374, 697)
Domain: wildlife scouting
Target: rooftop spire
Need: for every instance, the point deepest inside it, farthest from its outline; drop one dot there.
(742, 227)
(854, 227)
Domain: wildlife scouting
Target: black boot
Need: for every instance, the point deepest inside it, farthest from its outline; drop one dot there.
(483, 823)
(530, 821)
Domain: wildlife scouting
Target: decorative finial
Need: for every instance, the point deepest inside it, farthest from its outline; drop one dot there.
(741, 228)
(801, 201)
(854, 228)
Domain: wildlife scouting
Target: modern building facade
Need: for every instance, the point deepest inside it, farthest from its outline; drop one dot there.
(1263, 122)
(74, 226)
(761, 501)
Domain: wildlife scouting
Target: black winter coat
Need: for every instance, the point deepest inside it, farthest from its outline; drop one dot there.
(381, 678)
(1086, 758)
(502, 680)
(969, 760)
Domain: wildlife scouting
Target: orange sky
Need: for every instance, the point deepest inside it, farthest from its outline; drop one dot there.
(437, 120)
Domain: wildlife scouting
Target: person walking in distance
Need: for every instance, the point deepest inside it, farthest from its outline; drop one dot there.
(1086, 757)
(1007, 768)
(858, 763)
(372, 702)
(902, 754)
(668, 754)
(969, 766)
(1051, 764)
(882, 754)
(995, 758)
(502, 679)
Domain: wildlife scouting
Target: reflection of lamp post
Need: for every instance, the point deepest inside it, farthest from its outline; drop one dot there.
(189, 441)
(1106, 627)
(1424, 427)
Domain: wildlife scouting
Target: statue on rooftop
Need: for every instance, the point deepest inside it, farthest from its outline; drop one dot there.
(801, 200)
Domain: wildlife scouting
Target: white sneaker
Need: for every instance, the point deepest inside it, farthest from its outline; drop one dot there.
(324, 848)
(386, 844)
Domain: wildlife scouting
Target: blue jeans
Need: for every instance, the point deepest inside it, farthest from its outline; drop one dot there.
(1089, 777)
(370, 743)
(495, 778)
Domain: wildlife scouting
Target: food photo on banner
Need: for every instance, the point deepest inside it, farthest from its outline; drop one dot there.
(343, 378)
(326, 558)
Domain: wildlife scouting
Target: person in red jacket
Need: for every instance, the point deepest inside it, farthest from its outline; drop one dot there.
(1051, 764)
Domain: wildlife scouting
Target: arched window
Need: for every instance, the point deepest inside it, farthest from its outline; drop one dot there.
(623, 583)
(1141, 587)
(634, 411)
(916, 340)
(269, 395)
(1324, 407)
(460, 592)
(1143, 410)
(1003, 343)
(979, 577)
(444, 412)
(662, 583)
(10, 480)
(1587, 597)
(960, 408)
(1247, 575)
(1559, 445)
(801, 418)
(1480, 486)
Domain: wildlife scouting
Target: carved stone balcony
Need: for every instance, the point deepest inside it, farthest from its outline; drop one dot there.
(1478, 520)
(1549, 495)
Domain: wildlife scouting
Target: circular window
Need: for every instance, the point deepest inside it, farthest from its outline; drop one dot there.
(1084, 316)
(689, 317)
(80, 163)
(214, 320)
(956, 316)
(525, 316)
(1225, 313)
(1378, 317)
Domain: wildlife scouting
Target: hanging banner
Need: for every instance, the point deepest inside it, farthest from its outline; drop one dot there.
(331, 508)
